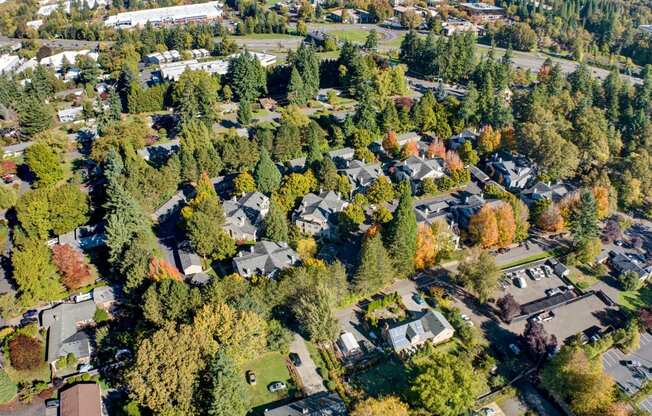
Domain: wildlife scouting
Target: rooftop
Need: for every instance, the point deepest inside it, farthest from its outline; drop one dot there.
(320, 404)
(167, 15)
(82, 399)
(265, 258)
(64, 335)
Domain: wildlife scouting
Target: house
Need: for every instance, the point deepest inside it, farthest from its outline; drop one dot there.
(64, 324)
(439, 209)
(478, 176)
(319, 404)
(542, 190)
(512, 171)
(417, 169)
(69, 114)
(104, 297)
(482, 11)
(83, 399)
(265, 258)
(559, 268)
(455, 142)
(160, 151)
(189, 262)
(348, 345)
(322, 94)
(427, 326)
(166, 16)
(245, 215)
(629, 262)
(361, 175)
(352, 16)
(317, 214)
(470, 205)
(453, 25)
(340, 157)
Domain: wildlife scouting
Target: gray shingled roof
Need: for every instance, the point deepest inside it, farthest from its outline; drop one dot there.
(245, 214)
(320, 404)
(63, 335)
(417, 168)
(265, 258)
(320, 208)
(361, 174)
(426, 325)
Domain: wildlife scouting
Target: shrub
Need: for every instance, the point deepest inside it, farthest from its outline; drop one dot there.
(26, 353)
(330, 385)
(100, 315)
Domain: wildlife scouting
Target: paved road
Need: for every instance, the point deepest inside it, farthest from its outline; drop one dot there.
(312, 382)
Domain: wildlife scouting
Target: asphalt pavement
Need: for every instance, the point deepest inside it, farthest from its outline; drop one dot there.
(312, 382)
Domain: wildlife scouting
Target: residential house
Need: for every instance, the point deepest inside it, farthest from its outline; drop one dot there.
(512, 171)
(427, 326)
(9, 63)
(244, 216)
(416, 169)
(265, 258)
(438, 209)
(65, 328)
(189, 262)
(70, 114)
(455, 142)
(454, 25)
(340, 157)
(469, 206)
(479, 177)
(630, 262)
(542, 190)
(15, 150)
(361, 175)
(82, 399)
(318, 214)
(319, 404)
(160, 151)
(104, 297)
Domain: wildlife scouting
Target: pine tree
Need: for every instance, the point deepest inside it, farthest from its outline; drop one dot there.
(276, 224)
(401, 233)
(327, 175)
(374, 267)
(228, 393)
(245, 115)
(307, 65)
(583, 219)
(266, 174)
(35, 116)
(247, 77)
(296, 90)
(314, 153)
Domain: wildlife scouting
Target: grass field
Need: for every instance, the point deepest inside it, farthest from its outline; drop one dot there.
(388, 377)
(526, 260)
(8, 389)
(352, 35)
(635, 299)
(268, 369)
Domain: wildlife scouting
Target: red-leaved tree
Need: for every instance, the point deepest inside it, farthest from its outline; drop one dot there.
(26, 353)
(75, 272)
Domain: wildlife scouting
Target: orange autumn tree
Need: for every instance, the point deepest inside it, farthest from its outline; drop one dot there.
(390, 143)
(410, 149)
(489, 139)
(505, 223)
(453, 161)
(483, 227)
(426, 253)
(72, 266)
(601, 195)
(160, 269)
(436, 149)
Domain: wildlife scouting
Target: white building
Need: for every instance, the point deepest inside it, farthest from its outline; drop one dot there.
(9, 63)
(47, 8)
(35, 24)
(175, 15)
(56, 61)
(69, 114)
(173, 71)
(265, 59)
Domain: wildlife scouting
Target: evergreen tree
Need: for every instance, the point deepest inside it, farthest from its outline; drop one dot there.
(390, 119)
(371, 43)
(306, 62)
(245, 115)
(583, 219)
(228, 393)
(276, 224)
(247, 77)
(401, 233)
(374, 267)
(296, 90)
(327, 175)
(266, 174)
(314, 153)
(34, 116)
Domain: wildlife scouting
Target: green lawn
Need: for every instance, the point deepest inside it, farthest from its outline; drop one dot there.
(633, 300)
(388, 377)
(268, 368)
(8, 389)
(352, 35)
(526, 260)
(581, 279)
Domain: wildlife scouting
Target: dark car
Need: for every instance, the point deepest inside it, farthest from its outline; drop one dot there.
(32, 313)
(52, 403)
(251, 377)
(296, 360)
(28, 321)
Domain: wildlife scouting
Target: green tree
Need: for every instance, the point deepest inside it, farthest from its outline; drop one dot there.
(375, 268)
(247, 77)
(35, 274)
(313, 310)
(306, 62)
(583, 219)
(45, 162)
(371, 43)
(479, 273)
(266, 174)
(444, 384)
(245, 115)
(170, 301)
(227, 390)
(380, 191)
(244, 183)
(275, 223)
(401, 233)
(68, 208)
(33, 212)
(296, 90)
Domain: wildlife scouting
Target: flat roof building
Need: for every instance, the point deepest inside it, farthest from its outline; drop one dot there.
(189, 13)
(56, 61)
(486, 12)
(8, 63)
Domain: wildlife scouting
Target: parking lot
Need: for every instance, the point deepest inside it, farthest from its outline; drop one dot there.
(588, 314)
(535, 289)
(631, 377)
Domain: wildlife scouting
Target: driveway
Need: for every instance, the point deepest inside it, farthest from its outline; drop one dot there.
(312, 382)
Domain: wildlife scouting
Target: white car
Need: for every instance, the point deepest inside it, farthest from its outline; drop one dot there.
(465, 316)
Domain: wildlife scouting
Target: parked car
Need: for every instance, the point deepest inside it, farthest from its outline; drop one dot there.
(520, 282)
(82, 297)
(9, 178)
(251, 377)
(515, 349)
(278, 386)
(296, 360)
(632, 363)
(28, 321)
(486, 411)
(465, 317)
(32, 313)
(418, 299)
(553, 291)
(85, 368)
(52, 403)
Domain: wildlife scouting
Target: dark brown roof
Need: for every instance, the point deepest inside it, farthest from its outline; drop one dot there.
(81, 400)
